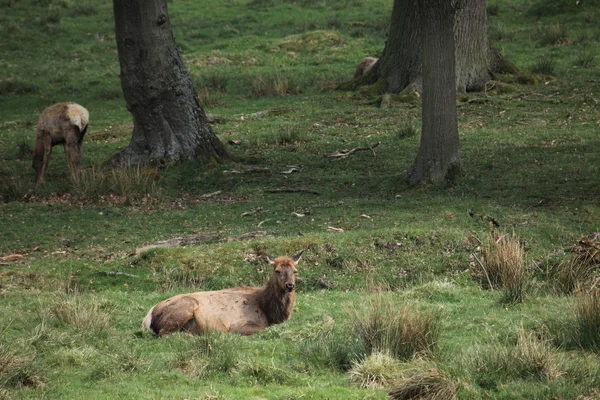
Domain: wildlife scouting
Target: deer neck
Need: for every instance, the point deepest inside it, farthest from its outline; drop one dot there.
(276, 303)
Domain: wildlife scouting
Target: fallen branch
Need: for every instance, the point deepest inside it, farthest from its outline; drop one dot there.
(198, 239)
(346, 153)
(291, 190)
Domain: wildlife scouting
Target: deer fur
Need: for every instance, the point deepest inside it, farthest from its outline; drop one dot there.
(364, 66)
(243, 310)
(61, 123)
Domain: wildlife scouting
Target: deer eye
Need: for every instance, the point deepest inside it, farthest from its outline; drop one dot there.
(277, 271)
(295, 272)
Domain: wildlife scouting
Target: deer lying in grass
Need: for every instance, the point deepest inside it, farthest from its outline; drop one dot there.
(243, 310)
(364, 66)
(61, 123)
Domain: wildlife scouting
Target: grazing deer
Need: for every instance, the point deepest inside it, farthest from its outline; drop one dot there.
(364, 66)
(61, 123)
(243, 310)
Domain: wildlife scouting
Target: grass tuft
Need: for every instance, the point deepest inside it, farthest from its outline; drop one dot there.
(426, 385)
(588, 320)
(553, 35)
(376, 371)
(545, 65)
(17, 370)
(122, 185)
(407, 130)
(503, 266)
(401, 333)
(83, 316)
(529, 358)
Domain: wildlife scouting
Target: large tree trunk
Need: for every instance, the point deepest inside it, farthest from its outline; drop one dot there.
(439, 155)
(169, 124)
(400, 65)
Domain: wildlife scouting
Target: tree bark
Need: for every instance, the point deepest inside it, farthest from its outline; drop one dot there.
(439, 154)
(169, 124)
(400, 65)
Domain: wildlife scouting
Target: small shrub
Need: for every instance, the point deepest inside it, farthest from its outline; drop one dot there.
(553, 35)
(425, 385)
(376, 371)
(588, 320)
(401, 333)
(545, 65)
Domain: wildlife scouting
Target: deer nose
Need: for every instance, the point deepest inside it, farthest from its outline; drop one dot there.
(289, 287)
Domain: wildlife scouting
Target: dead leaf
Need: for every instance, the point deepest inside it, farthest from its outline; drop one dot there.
(334, 229)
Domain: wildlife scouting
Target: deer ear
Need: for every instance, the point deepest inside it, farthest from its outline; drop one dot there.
(298, 256)
(270, 259)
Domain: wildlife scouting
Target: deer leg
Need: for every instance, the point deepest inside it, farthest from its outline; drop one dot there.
(41, 155)
(73, 152)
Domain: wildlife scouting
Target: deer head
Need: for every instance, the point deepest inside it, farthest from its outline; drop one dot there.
(284, 271)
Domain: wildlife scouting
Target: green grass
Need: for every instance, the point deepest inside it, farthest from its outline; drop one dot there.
(73, 288)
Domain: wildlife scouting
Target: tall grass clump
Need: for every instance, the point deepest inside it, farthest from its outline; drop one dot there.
(553, 35)
(83, 316)
(272, 85)
(571, 273)
(16, 370)
(529, 358)
(588, 320)
(545, 65)
(586, 58)
(375, 371)
(407, 130)
(129, 184)
(503, 266)
(425, 385)
(209, 354)
(399, 332)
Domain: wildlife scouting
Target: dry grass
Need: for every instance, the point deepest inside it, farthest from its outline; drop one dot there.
(122, 184)
(400, 332)
(530, 357)
(568, 275)
(503, 266)
(17, 370)
(92, 317)
(588, 320)
(426, 385)
(376, 371)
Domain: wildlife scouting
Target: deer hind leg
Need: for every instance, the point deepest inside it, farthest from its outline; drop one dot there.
(173, 316)
(73, 151)
(41, 155)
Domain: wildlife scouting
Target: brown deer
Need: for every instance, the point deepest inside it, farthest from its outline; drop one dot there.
(364, 66)
(61, 123)
(243, 310)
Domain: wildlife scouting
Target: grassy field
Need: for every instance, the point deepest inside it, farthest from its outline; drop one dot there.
(412, 288)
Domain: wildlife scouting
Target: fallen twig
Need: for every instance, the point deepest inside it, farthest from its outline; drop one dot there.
(291, 190)
(197, 239)
(346, 153)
